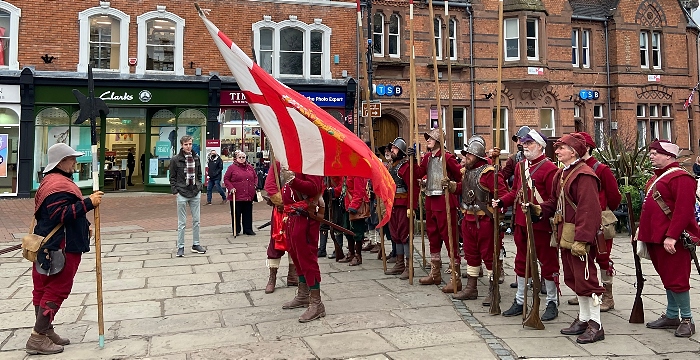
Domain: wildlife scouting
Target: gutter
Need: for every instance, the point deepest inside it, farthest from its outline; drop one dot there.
(452, 4)
(607, 74)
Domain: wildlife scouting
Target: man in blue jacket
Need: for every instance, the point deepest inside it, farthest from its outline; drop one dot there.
(214, 168)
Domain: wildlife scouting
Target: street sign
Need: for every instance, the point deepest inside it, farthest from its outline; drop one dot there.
(375, 109)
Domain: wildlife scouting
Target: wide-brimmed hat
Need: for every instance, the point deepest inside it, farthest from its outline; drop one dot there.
(433, 134)
(58, 152)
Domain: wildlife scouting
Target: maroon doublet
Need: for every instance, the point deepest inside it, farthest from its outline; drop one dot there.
(303, 232)
(542, 174)
(271, 189)
(398, 222)
(435, 212)
(609, 197)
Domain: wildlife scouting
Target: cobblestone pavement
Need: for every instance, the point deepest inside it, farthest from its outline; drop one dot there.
(213, 306)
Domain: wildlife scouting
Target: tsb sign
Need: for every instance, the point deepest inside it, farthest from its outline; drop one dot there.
(388, 90)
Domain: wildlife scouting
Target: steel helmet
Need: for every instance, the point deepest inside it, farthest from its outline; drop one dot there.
(400, 143)
(476, 146)
(434, 134)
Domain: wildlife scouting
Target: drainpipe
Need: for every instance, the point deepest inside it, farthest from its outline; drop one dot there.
(607, 73)
(358, 97)
(471, 68)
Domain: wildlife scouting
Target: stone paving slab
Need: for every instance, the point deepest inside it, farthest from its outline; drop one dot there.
(202, 339)
(185, 305)
(264, 350)
(169, 324)
(472, 350)
(421, 335)
(363, 320)
(347, 344)
(292, 328)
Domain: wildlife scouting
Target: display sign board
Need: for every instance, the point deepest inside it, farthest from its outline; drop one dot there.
(374, 108)
(322, 99)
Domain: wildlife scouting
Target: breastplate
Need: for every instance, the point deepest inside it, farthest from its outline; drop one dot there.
(401, 187)
(474, 197)
(433, 185)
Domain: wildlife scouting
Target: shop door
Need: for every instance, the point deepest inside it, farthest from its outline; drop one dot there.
(126, 131)
(385, 131)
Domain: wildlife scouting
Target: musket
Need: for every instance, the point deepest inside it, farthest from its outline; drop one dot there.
(10, 249)
(329, 208)
(304, 212)
(689, 245)
(264, 225)
(533, 318)
(637, 314)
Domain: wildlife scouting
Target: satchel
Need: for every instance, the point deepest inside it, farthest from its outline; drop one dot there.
(608, 221)
(362, 213)
(31, 243)
(568, 233)
(642, 250)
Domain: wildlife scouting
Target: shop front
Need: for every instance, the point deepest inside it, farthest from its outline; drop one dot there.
(9, 138)
(145, 119)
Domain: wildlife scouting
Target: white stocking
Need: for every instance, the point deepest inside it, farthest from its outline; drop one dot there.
(584, 308)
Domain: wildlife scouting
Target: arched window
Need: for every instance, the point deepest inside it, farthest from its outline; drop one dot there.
(160, 35)
(394, 36)
(9, 34)
(104, 39)
(437, 26)
(378, 34)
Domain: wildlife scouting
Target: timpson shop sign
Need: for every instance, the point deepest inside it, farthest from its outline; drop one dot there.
(237, 98)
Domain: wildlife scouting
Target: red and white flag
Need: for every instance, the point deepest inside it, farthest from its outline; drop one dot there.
(304, 137)
(689, 100)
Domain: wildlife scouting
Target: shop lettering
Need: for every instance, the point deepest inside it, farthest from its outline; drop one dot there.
(109, 95)
(237, 97)
(327, 99)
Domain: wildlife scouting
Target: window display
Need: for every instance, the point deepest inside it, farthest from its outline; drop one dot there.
(166, 132)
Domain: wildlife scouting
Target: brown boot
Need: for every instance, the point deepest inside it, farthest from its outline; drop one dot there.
(458, 282)
(404, 274)
(574, 301)
(357, 260)
(593, 333)
(272, 280)
(39, 344)
(434, 278)
(301, 299)
(316, 309)
(608, 302)
(399, 266)
(502, 278)
(376, 249)
(292, 276)
(469, 293)
(351, 254)
(368, 246)
(55, 338)
(487, 300)
(685, 329)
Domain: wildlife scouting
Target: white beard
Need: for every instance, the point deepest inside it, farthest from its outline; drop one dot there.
(532, 155)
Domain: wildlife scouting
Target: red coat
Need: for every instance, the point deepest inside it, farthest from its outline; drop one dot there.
(587, 214)
(357, 191)
(303, 186)
(270, 183)
(486, 182)
(609, 195)
(543, 178)
(437, 203)
(676, 190)
(243, 178)
(404, 174)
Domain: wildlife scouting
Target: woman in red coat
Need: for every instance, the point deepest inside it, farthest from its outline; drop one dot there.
(240, 180)
(357, 206)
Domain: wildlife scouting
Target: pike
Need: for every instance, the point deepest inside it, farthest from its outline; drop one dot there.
(412, 141)
(637, 314)
(90, 108)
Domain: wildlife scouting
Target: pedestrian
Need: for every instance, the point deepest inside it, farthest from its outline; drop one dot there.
(186, 185)
(577, 217)
(303, 192)
(667, 212)
(241, 180)
(477, 189)
(435, 210)
(142, 160)
(402, 212)
(539, 171)
(391, 258)
(609, 197)
(215, 167)
(130, 164)
(279, 243)
(696, 167)
(336, 208)
(58, 204)
(357, 210)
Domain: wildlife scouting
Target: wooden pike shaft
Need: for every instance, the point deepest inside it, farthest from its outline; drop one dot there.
(414, 135)
(411, 141)
(448, 210)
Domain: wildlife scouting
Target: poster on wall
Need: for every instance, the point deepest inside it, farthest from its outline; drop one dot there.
(153, 167)
(167, 134)
(195, 132)
(3, 155)
(59, 134)
(81, 141)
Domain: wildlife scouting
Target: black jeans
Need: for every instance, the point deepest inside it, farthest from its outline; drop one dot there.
(244, 209)
(131, 172)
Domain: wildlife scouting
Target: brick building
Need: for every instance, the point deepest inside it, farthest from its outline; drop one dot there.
(158, 70)
(553, 51)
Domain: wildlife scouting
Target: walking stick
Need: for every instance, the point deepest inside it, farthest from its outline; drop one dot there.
(381, 235)
(234, 229)
(443, 161)
(90, 109)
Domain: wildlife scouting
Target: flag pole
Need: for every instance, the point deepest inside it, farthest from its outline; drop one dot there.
(449, 119)
(495, 308)
(411, 140)
(446, 194)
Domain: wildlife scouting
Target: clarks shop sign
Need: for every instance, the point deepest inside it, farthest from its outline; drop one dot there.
(125, 96)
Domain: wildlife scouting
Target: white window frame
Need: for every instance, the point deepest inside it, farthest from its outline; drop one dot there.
(654, 127)
(643, 109)
(548, 131)
(15, 14)
(462, 129)
(599, 131)
(586, 49)
(397, 36)
(574, 48)
(84, 39)
(438, 38)
(506, 38)
(306, 29)
(381, 34)
(452, 40)
(536, 38)
(644, 49)
(655, 51)
(577, 111)
(598, 111)
(667, 128)
(654, 110)
(504, 127)
(160, 13)
(642, 132)
(665, 110)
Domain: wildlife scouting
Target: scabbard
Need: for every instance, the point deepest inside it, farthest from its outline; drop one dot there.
(323, 221)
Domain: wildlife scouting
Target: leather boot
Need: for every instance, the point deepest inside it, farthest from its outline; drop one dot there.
(301, 299)
(577, 327)
(351, 255)
(399, 266)
(404, 274)
(357, 260)
(39, 344)
(50, 333)
(376, 249)
(685, 329)
(434, 278)
(368, 246)
(608, 303)
(487, 300)
(270, 287)
(514, 310)
(593, 333)
(664, 323)
(316, 309)
(574, 301)
(458, 282)
(292, 276)
(470, 292)
(502, 278)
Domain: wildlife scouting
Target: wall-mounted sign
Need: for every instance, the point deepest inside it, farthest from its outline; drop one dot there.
(388, 90)
(535, 70)
(654, 78)
(589, 94)
(9, 94)
(237, 98)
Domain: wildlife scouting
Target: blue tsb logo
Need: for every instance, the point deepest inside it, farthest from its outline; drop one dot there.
(388, 90)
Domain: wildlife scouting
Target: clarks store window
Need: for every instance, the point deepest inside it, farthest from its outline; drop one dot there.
(166, 131)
